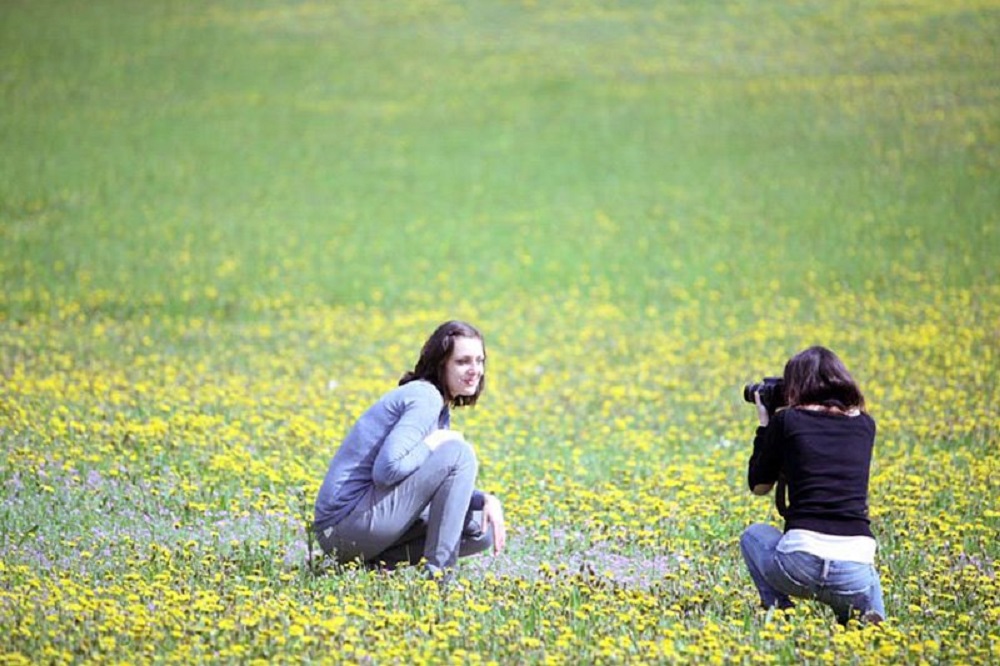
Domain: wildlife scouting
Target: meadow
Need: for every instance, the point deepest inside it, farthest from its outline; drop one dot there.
(226, 227)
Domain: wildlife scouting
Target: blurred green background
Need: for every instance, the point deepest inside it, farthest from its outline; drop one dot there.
(238, 157)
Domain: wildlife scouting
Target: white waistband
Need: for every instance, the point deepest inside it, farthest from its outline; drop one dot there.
(829, 546)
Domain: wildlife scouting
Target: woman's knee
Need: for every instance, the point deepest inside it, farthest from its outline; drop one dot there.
(760, 535)
(458, 452)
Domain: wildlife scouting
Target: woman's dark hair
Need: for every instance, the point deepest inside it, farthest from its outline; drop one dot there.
(817, 376)
(435, 354)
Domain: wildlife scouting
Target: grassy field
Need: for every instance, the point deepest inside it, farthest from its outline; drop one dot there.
(226, 227)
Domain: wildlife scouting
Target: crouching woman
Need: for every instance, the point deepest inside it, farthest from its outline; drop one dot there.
(821, 447)
(401, 487)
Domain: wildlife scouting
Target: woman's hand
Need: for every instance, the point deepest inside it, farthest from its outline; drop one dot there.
(493, 519)
(762, 414)
(436, 438)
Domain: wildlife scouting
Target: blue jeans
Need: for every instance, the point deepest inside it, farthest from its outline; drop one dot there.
(841, 585)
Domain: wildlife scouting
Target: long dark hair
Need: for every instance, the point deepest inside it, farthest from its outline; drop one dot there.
(817, 376)
(435, 354)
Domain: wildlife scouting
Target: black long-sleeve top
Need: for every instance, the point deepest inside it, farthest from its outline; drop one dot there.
(825, 458)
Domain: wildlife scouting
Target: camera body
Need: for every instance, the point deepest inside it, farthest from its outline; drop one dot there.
(771, 391)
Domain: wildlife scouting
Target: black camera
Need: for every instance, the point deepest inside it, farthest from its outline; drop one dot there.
(771, 391)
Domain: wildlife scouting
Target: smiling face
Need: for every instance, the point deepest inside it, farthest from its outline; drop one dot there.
(464, 369)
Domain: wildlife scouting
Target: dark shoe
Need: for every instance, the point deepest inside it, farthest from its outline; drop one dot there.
(380, 566)
(781, 604)
(872, 618)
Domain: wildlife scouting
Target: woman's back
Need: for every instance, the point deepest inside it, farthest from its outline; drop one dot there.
(826, 458)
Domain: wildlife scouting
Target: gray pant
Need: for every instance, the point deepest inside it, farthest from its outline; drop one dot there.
(425, 515)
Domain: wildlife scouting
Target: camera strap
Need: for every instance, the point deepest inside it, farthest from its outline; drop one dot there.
(780, 499)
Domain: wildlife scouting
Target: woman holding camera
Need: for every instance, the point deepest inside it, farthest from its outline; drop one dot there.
(820, 445)
(401, 486)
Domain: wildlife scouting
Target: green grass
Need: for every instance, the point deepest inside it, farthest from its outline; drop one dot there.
(226, 227)
(334, 153)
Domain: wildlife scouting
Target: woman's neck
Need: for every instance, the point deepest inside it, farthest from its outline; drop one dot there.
(830, 409)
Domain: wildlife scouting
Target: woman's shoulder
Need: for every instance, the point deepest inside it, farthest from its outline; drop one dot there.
(419, 390)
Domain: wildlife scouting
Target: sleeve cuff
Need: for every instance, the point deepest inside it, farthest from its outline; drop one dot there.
(478, 500)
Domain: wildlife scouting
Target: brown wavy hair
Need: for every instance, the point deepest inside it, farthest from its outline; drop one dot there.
(816, 376)
(435, 354)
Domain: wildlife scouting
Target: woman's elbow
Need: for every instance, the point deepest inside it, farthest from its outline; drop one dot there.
(762, 488)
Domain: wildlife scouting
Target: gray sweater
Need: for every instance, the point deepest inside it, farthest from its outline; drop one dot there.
(384, 447)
